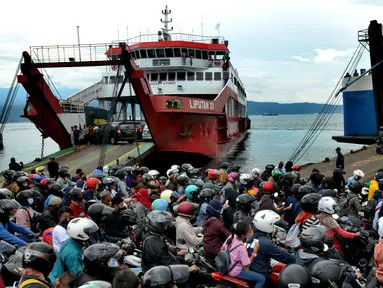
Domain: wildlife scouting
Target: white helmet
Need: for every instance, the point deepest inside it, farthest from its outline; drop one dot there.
(79, 228)
(171, 171)
(175, 167)
(154, 173)
(328, 205)
(265, 220)
(245, 178)
(256, 172)
(358, 174)
(365, 191)
(380, 227)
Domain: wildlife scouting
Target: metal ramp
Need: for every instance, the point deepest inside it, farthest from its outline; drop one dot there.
(86, 95)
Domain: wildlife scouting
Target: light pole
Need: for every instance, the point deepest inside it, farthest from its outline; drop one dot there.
(78, 41)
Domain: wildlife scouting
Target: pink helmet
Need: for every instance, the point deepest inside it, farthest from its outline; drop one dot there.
(232, 177)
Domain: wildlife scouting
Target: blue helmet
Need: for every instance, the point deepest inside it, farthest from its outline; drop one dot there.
(191, 190)
(160, 204)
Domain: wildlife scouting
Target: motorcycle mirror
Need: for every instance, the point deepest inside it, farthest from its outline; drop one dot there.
(315, 280)
(325, 248)
(276, 194)
(181, 241)
(335, 216)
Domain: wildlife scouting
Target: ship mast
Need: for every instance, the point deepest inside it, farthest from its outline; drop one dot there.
(166, 21)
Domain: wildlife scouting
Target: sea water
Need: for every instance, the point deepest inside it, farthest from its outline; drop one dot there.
(271, 139)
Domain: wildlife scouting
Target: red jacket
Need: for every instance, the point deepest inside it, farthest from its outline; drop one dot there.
(77, 210)
(215, 235)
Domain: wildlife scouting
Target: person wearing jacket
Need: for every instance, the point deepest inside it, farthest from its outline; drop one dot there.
(353, 198)
(50, 216)
(264, 222)
(313, 244)
(26, 216)
(60, 233)
(77, 202)
(143, 205)
(205, 196)
(70, 258)
(185, 230)
(230, 209)
(114, 223)
(378, 255)
(215, 231)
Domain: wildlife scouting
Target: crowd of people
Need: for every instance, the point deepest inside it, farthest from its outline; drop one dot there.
(62, 219)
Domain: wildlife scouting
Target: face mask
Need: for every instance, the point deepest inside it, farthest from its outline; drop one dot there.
(25, 184)
(30, 201)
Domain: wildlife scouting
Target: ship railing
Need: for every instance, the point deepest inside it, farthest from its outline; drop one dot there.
(363, 35)
(174, 37)
(71, 53)
(72, 106)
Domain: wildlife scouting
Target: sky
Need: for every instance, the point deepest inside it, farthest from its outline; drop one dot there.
(285, 51)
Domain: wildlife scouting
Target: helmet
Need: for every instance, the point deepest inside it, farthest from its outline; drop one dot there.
(380, 227)
(39, 256)
(23, 196)
(256, 172)
(225, 165)
(48, 236)
(121, 174)
(232, 177)
(37, 179)
(45, 182)
(265, 220)
(99, 174)
(194, 172)
(107, 181)
(378, 176)
(327, 272)
(92, 183)
(143, 170)
(269, 167)
(268, 187)
(129, 169)
(175, 167)
(329, 192)
(295, 189)
(158, 220)
(80, 228)
(312, 239)
(162, 179)
(294, 275)
(22, 182)
(191, 191)
(8, 174)
(146, 178)
(316, 178)
(166, 195)
(185, 167)
(129, 216)
(213, 174)
(309, 202)
(212, 186)
(99, 254)
(90, 203)
(56, 190)
(206, 194)
(161, 276)
(296, 167)
(96, 284)
(5, 193)
(185, 209)
(235, 168)
(154, 173)
(356, 187)
(160, 204)
(75, 194)
(304, 190)
(244, 202)
(183, 180)
(276, 173)
(64, 172)
(170, 172)
(40, 170)
(358, 174)
(97, 211)
(244, 179)
(328, 205)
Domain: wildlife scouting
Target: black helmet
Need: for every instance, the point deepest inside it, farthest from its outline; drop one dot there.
(8, 174)
(18, 174)
(295, 189)
(97, 211)
(5, 193)
(39, 256)
(98, 255)
(129, 217)
(309, 202)
(146, 178)
(185, 167)
(56, 190)
(162, 276)
(312, 240)
(329, 192)
(143, 170)
(64, 172)
(90, 203)
(206, 195)
(338, 172)
(194, 172)
(235, 168)
(108, 181)
(162, 180)
(316, 178)
(121, 174)
(197, 182)
(23, 196)
(294, 275)
(225, 165)
(379, 176)
(304, 190)
(183, 180)
(244, 202)
(356, 187)
(157, 220)
(22, 182)
(269, 167)
(327, 272)
(212, 186)
(112, 170)
(75, 194)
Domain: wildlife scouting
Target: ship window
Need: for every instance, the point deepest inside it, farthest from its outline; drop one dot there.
(143, 53)
(151, 53)
(181, 76)
(154, 77)
(177, 52)
(133, 53)
(217, 76)
(160, 53)
(208, 76)
(120, 78)
(204, 55)
(198, 54)
(169, 52)
(220, 55)
(225, 75)
(112, 79)
(191, 53)
(184, 51)
(137, 54)
(105, 80)
(190, 76)
(212, 54)
(163, 76)
(235, 81)
(199, 76)
(172, 76)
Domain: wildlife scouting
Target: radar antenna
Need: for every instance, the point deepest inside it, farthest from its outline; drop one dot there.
(166, 21)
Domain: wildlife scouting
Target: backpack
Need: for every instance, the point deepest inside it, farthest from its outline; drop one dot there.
(223, 260)
(31, 282)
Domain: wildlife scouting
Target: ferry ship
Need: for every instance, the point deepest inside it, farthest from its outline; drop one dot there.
(192, 99)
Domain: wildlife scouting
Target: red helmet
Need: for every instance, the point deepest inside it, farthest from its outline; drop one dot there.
(296, 167)
(185, 209)
(213, 174)
(92, 183)
(30, 177)
(45, 182)
(268, 187)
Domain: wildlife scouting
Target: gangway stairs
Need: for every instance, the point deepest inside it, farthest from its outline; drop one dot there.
(87, 95)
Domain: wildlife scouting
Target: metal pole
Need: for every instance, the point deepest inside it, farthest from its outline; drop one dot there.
(127, 33)
(78, 41)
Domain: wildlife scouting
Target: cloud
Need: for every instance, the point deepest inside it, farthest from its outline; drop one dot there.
(302, 59)
(326, 56)
(367, 2)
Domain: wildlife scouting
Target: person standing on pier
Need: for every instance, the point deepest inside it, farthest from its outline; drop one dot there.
(53, 168)
(13, 165)
(76, 138)
(339, 159)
